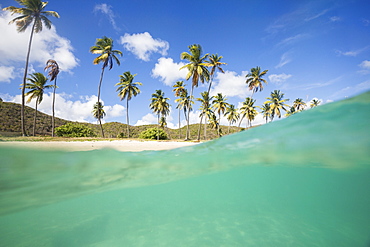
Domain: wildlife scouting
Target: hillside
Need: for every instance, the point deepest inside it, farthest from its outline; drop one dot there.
(10, 125)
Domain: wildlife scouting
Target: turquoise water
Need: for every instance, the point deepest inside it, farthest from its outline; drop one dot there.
(303, 181)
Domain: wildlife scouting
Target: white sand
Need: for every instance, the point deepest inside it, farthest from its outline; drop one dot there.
(124, 145)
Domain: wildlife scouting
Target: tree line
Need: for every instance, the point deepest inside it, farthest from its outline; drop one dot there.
(200, 67)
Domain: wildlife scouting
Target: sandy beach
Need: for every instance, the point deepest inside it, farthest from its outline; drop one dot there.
(121, 145)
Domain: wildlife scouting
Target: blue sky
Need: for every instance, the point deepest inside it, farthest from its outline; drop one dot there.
(311, 49)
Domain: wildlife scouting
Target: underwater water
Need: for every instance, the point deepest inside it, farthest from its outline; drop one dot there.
(302, 181)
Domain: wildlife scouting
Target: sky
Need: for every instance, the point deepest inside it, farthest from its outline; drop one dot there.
(311, 49)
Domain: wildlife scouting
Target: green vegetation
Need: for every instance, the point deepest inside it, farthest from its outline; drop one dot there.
(153, 133)
(74, 130)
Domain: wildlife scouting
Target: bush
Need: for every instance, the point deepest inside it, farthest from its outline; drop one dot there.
(74, 130)
(121, 135)
(151, 133)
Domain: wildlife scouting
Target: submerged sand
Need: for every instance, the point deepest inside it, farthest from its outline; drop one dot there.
(121, 145)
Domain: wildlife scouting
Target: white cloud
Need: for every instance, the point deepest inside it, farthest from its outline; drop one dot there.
(149, 118)
(45, 45)
(168, 71)
(365, 64)
(352, 53)
(278, 79)
(285, 59)
(335, 18)
(107, 10)
(317, 15)
(6, 73)
(292, 39)
(143, 45)
(230, 84)
(65, 108)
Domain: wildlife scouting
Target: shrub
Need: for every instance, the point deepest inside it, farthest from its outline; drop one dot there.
(121, 135)
(74, 130)
(151, 133)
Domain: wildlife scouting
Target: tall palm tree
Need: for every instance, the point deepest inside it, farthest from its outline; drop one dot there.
(179, 89)
(33, 11)
(314, 103)
(266, 111)
(99, 114)
(214, 62)
(183, 103)
(205, 108)
(159, 105)
(53, 68)
(248, 110)
(277, 103)
(232, 115)
(126, 90)
(37, 86)
(104, 47)
(298, 104)
(219, 104)
(255, 80)
(197, 69)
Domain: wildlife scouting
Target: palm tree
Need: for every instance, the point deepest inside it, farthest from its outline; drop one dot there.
(33, 11)
(219, 105)
(53, 68)
(37, 86)
(266, 111)
(291, 111)
(184, 103)
(104, 47)
(197, 68)
(205, 108)
(254, 79)
(179, 89)
(232, 115)
(248, 110)
(276, 102)
(214, 62)
(159, 105)
(126, 89)
(314, 103)
(298, 104)
(99, 113)
(214, 124)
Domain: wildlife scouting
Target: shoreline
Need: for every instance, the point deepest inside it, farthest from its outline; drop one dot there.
(120, 145)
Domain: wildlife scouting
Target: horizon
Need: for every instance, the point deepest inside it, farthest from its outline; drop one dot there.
(311, 50)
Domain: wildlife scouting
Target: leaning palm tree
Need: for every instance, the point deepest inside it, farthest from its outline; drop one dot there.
(232, 115)
(205, 108)
(255, 80)
(219, 104)
(126, 89)
(33, 12)
(248, 110)
(298, 104)
(314, 103)
(104, 47)
(214, 62)
(99, 113)
(277, 103)
(179, 89)
(37, 87)
(197, 69)
(160, 106)
(53, 68)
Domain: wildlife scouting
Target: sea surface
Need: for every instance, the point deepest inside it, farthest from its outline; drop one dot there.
(301, 181)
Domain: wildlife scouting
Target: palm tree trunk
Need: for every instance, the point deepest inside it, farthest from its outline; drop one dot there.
(200, 125)
(205, 127)
(179, 123)
(187, 128)
(228, 129)
(34, 118)
(127, 119)
(23, 129)
(53, 109)
(99, 117)
(241, 120)
(158, 129)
